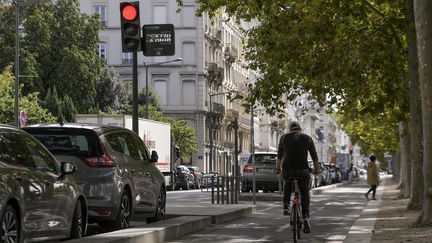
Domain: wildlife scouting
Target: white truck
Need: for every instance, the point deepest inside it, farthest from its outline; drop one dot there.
(156, 135)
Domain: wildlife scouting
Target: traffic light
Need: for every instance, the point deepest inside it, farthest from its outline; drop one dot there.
(130, 26)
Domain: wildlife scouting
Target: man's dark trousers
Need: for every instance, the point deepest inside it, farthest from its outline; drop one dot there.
(303, 184)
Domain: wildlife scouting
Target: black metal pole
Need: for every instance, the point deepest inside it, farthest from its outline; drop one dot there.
(146, 96)
(236, 164)
(16, 108)
(211, 135)
(135, 93)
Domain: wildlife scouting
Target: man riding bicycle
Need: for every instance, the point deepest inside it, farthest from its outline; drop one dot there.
(293, 148)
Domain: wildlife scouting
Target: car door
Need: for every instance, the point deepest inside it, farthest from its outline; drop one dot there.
(136, 162)
(37, 195)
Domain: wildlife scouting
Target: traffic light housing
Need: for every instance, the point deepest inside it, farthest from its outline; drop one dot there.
(130, 26)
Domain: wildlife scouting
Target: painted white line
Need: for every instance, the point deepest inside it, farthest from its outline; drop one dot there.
(264, 238)
(283, 227)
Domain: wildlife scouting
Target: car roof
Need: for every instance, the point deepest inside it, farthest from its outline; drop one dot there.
(99, 129)
(265, 152)
(6, 127)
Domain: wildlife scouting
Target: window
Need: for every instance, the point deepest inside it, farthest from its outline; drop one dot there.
(188, 16)
(101, 10)
(188, 92)
(188, 49)
(160, 87)
(127, 86)
(102, 50)
(127, 57)
(42, 160)
(12, 151)
(128, 144)
(159, 14)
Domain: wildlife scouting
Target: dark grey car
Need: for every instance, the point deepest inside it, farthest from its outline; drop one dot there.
(39, 201)
(118, 174)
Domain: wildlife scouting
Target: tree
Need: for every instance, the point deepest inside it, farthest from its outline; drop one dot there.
(64, 108)
(110, 95)
(58, 45)
(423, 18)
(29, 103)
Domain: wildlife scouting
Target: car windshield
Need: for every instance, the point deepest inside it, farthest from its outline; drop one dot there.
(68, 142)
(264, 159)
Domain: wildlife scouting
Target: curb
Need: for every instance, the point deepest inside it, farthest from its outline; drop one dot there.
(277, 197)
(174, 227)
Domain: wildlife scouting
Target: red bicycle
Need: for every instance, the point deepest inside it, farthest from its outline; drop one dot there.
(296, 221)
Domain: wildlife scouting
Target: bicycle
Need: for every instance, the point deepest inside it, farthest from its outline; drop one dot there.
(296, 212)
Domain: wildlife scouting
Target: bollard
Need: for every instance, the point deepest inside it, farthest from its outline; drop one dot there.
(237, 189)
(217, 180)
(227, 189)
(212, 190)
(223, 189)
(232, 189)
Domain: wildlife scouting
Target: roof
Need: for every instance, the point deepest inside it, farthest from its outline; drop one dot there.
(99, 129)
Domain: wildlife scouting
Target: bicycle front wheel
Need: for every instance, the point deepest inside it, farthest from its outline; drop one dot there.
(295, 222)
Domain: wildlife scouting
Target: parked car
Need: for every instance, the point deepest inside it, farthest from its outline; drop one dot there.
(39, 201)
(324, 177)
(185, 178)
(118, 174)
(265, 173)
(211, 178)
(198, 175)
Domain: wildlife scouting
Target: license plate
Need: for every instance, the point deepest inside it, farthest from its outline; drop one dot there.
(265, 170)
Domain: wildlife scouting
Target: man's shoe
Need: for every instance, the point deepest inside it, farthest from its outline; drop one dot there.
(373, 198)
(366, 196)
(286, 212)
(307, 227)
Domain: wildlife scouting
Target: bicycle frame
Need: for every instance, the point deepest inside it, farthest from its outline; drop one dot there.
(296, 213)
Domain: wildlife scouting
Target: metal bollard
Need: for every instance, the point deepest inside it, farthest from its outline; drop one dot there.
(223, 189)
(237, 189)
(227, 189)
(212, 190)
(232, 189)
(217, 180)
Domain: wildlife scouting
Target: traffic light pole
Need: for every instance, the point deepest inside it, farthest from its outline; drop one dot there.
(135, 92)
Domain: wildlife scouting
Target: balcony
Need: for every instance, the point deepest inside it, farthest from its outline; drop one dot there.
(218, 109)
(231, 53)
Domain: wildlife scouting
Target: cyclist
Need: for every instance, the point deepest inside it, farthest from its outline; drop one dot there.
(293, 148)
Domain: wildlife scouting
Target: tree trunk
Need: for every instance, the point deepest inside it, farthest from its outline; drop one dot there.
(396, 167)
(405, 150)
(416, 197)
(423, 21)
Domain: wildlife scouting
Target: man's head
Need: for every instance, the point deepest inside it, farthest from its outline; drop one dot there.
(372, 158)
(294, 126)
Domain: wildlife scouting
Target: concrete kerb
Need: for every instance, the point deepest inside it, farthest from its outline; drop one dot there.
(193, 218)
(277, 197)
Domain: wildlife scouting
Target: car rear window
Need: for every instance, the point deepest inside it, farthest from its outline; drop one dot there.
(76, 142)
(263, 159)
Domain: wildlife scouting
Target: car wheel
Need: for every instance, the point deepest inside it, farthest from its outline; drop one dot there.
(187, 185)
(78, 228)
(160, 208)
(123, 217)
(10, 227)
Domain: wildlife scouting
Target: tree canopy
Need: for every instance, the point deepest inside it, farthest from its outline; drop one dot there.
(28, 103)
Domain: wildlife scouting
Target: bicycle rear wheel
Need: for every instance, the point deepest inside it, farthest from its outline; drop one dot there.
(294, 213)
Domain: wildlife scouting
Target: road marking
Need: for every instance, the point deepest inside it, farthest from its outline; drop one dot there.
(283, 227)
(264, 238)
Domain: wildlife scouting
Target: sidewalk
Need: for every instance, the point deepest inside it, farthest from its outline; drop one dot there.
(394, 223)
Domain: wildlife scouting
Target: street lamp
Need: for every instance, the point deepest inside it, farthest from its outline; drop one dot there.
(17, 76)
(147, 65)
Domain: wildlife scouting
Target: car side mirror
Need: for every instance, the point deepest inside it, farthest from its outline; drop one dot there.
(67, 168)
(154, 157)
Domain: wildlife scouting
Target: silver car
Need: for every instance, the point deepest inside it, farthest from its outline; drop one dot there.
(265, 173)
(39, 201)
(117, 172)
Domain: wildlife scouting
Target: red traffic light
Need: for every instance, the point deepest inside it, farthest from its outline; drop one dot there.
(129, 12)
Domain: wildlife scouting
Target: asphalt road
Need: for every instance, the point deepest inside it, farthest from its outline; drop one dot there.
(333, 214)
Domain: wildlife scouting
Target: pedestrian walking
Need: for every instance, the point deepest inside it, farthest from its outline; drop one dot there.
(293, 149)
(372, 177)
